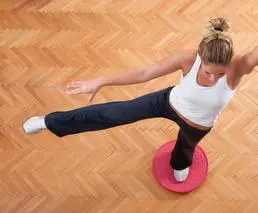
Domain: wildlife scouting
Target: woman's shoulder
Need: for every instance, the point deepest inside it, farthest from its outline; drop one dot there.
(237, 71)
(189, 59)
(189, 55)
(240, 65)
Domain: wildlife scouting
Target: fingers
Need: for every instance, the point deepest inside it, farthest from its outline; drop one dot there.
(91, 97)
(74, 84)
(75, 91)
(77, 82)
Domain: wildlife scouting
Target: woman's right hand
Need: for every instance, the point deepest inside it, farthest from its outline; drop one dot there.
(90, 87)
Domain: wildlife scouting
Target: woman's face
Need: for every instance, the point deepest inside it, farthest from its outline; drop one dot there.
(213, 72)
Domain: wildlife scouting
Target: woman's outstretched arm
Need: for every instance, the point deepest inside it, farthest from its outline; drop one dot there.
(157, 69)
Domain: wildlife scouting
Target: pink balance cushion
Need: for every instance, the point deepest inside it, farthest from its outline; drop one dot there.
(164, 173)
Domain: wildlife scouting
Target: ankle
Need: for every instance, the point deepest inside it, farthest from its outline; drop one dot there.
(42, 122)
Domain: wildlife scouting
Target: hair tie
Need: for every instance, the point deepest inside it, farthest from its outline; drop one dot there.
(218, 29)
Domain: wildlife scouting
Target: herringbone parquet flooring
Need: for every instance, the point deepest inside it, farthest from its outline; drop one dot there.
(46, 44)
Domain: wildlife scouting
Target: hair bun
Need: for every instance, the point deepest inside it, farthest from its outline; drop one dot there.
(218, 24)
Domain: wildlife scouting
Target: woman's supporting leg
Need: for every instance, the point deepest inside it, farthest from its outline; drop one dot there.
(107, 115)
(187, 139)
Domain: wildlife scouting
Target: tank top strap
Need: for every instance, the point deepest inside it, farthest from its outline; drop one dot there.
(197, 64)
(192, 74)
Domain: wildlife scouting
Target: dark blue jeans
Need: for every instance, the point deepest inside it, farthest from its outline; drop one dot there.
(112, 114)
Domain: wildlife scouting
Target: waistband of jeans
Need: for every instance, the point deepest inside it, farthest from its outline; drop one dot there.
(178, 117)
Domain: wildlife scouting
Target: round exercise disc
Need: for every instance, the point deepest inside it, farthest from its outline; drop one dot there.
(164, 173)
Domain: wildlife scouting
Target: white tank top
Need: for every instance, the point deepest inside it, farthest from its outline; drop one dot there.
(201, 105)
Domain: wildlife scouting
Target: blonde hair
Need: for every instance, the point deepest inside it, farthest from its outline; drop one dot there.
(216, 47)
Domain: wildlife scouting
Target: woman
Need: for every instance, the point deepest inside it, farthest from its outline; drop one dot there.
(209, 80)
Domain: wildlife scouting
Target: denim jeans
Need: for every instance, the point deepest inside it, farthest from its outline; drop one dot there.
(111, 114)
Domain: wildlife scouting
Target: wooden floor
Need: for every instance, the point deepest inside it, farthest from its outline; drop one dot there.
(46, 44)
